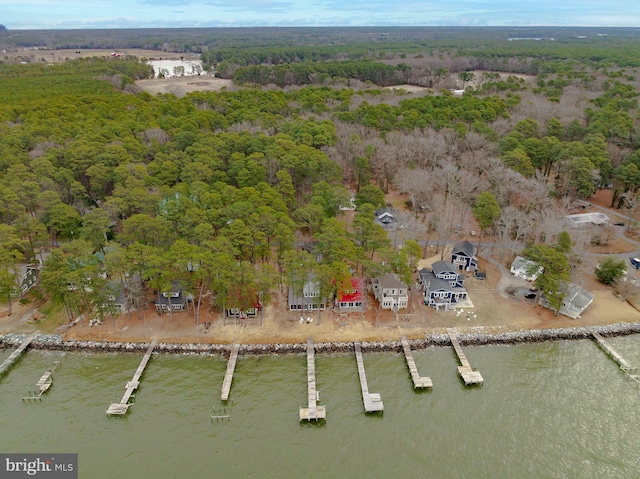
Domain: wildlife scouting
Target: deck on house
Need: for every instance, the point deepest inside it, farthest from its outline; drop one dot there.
(312, 412)
(122, 407)
(372, 401)
(625, 365)
(419, 382)
(228, 375)
(467, 373)
(14, 355)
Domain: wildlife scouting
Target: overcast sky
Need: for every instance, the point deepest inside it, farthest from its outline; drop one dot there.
(46, 14)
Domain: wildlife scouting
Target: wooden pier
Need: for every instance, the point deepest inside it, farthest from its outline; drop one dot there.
(419, 382)
(228, 376)
(14, 355)
(625, 365)
(43, 384)
(467, 373)
(121, 408)
(372, 401)
(313, 412)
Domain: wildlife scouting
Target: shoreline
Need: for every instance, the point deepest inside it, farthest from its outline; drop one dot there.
(55, 342)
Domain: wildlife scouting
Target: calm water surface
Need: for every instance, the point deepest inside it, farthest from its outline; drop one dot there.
(553, 410)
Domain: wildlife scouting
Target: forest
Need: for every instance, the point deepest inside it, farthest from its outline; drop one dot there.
(233, 194)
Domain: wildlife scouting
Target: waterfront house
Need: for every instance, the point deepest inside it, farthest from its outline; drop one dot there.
(442, 286)
(309, 298)
(27, 277)
(525, 269)
(117, 300)
(463, 256)
(574, 302)
(390, 292)
(240, 297)
(173, 298)
(352, 299)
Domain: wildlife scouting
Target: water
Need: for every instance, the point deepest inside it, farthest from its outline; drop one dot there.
(553, 410)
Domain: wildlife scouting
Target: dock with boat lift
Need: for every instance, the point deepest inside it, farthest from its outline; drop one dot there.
(419, 382)
(467, 373)
(121, 408)
(312, 412)
(228, 375)
(7, 363)
(625, 365)
(372, 401)
(42, 386)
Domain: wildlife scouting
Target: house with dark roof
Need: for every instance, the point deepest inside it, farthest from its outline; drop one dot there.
(390, 292)
(442, 286)
(351, 300)
(27, 277)
(386, 218)
(463, 256)
(172, 299)
(117, 300)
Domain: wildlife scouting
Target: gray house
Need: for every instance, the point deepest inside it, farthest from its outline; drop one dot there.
(463, 256)
(442, 286)
(575, 301)
(27, 277)
(309, 298)
(390, 292)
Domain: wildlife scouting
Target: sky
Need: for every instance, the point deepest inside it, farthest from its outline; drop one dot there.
(70, 14)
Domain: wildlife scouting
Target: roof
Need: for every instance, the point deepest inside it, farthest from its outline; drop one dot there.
(356, 286)
(443, 267)
(464, 247)
(433, 283)
(594, 218)
(522, 263)
(390, 280)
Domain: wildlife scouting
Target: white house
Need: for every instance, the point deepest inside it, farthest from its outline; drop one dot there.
(574, 301)
(525, 269)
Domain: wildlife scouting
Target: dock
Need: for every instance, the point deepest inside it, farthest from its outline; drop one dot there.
(7, 363)
(467, 373)
(312, 412)
(42, 386)
(372, 401)
(625, 365)
(419, 382)
(228, 375)
(121, 408)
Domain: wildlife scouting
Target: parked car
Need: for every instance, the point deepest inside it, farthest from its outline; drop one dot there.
(635, 262)
(619, 223)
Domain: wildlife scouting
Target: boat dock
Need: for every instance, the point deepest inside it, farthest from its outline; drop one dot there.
(14, 355)
(228, 376)
(625, 365)
(419, 382)
(467, 373)
(372, 401)
(121, 408)
(43, 384)
(313, 412)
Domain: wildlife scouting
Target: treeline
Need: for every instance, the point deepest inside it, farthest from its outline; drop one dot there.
(317, 72)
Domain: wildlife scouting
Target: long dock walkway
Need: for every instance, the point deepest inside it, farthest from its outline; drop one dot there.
(312, 412)
(625, 365)
(228, 375)
(372, 401)
(419, 382)
(122, 407)
(467, 373)
(6, 364)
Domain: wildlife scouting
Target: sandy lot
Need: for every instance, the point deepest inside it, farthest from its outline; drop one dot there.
(180, 86)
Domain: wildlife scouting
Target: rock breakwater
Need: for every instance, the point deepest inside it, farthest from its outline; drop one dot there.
(479, 337)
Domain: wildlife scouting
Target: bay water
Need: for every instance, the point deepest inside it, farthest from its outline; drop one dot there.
(548, 410)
